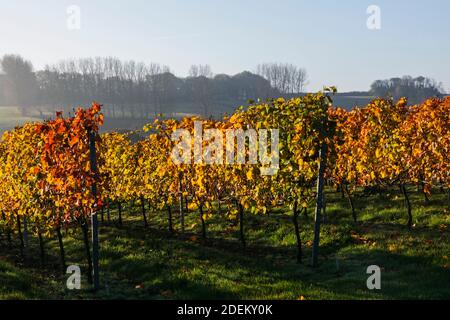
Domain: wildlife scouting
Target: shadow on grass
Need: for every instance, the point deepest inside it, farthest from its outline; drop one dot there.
(402, 277)
(138, 263)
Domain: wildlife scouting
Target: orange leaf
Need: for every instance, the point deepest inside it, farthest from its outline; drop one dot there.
(74, 141)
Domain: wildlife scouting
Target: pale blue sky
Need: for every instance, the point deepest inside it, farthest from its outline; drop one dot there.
(328, 38)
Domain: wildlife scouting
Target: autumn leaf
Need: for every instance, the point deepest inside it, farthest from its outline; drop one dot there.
(74, 141)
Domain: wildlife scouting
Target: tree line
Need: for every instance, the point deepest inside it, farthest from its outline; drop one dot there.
(130, 89)
(415, 89)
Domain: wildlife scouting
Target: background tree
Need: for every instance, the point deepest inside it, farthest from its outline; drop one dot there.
(415, 89)
(285, 77)
(201, 83)
(20, 81)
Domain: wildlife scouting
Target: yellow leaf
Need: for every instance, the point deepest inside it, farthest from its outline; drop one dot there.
(377, 153)
(192, 206)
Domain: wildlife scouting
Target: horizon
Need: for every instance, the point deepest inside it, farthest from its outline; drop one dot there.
(185, 76)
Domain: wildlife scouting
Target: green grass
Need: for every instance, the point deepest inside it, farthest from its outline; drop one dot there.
(138, 263)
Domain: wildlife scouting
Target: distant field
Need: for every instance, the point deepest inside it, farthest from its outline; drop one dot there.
(11, 117)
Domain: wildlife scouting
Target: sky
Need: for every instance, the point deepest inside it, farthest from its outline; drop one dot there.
(330, 39)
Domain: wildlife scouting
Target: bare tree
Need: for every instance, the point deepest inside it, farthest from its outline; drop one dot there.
(159, 86)
(285, 77)
(200, 70)
(201, 84)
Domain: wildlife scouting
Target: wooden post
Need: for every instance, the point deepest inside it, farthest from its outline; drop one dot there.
(85, 229)
(319, 202)
(94, 218)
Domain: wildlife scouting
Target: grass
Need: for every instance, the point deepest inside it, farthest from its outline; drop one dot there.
(139, 263)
